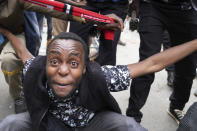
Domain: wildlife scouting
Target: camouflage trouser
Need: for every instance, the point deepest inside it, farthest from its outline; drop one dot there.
(11, 67)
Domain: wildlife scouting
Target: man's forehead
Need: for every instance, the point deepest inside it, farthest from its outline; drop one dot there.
(70, 53)
(74, 47)
(67, 43)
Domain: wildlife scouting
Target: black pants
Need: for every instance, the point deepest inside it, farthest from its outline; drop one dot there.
(107, 48)
(104, 121)
(182, 26)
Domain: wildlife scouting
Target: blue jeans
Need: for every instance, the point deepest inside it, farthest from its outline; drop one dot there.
(32, 33)
(1, 39)
(40, 18)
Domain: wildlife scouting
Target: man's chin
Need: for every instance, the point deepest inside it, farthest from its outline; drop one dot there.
(61, 94)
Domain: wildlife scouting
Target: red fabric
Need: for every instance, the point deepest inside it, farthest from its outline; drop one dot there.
(109, 34)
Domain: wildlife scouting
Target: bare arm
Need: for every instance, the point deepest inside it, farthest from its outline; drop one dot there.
(19, 48)
(117, 25)
(81, 3)
(159, 61)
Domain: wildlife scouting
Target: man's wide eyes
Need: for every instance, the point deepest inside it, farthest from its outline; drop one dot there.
(74, 64)
(54, 62)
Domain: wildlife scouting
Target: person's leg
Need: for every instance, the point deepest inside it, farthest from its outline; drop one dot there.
(59, 26)
(169, 69)
(16, 122)
(49, 27)
(53, 124)
(82, 29)
(40, 18)
(107, 52)
(185, 69)
(150, 30)
(11, 67)
(32, 32)
(108, 48)
(167, 45)
(111, 121)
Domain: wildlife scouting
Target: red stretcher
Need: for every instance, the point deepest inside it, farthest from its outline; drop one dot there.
(85, 16)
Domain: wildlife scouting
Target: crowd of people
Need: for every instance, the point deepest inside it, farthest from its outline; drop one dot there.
(65, 90)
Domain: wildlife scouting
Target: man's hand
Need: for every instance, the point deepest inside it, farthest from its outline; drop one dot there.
(118, 25)
(81, 3)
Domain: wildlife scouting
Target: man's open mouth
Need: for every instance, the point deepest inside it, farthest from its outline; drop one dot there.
(62, 85)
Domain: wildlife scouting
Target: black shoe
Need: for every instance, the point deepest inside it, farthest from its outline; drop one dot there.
(138, 120)
(20, 105)
(136, 116)
(176, 114)
(170, 79)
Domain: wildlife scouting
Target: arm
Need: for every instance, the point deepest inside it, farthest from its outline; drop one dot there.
(117, 25)
(47, 11)
(117, 77)
(81, 3)
(159, 61)
(19, 48)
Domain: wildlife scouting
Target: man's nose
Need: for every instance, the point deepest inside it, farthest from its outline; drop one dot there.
(63, 70)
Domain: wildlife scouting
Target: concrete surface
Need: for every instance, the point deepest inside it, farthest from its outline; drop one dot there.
(155, 115)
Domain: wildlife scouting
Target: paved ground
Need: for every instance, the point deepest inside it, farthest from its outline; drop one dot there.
(155, 116)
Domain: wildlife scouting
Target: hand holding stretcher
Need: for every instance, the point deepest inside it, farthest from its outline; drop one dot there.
(77, 14)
